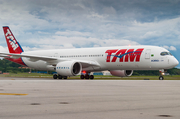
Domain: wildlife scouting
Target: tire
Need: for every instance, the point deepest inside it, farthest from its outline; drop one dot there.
(82, 76)
(161, 78)
(86, 76)
(60, 77)
(55, 76)
(91, 77)
(65, 77)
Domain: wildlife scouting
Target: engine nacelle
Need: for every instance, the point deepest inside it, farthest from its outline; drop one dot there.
(68, 68)
(121, 73)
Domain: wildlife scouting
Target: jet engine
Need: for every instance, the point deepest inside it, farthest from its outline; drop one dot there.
(68, 68)
(121, 73)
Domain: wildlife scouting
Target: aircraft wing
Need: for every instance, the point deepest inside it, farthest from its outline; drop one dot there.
(35, 57)
(48, 60)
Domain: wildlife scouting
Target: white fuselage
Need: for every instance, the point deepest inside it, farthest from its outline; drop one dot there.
(109, 58)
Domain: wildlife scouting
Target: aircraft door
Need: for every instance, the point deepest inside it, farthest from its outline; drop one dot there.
(148, 54)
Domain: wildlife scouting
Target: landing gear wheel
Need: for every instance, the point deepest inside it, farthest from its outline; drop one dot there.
(60, 77)
(161, 78)
(86, 76)
(55, 76)
(91, 77)
(82, 76)
(65, 77)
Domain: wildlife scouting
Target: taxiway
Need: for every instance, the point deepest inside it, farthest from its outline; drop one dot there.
(88, 99)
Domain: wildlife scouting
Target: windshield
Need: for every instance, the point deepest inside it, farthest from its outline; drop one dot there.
(165, 53)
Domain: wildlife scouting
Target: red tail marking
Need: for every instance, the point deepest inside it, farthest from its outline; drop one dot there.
(19, 61)
(12, 43)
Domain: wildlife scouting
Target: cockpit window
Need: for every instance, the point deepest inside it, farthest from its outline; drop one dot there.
(165, 53)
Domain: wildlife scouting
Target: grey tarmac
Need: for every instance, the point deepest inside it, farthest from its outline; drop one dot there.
(88, 99)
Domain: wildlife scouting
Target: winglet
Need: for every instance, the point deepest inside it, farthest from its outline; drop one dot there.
(13, 45)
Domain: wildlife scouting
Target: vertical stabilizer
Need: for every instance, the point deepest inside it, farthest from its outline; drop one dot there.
(13, 45)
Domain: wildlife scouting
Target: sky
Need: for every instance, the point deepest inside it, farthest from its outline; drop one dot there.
(59, 24)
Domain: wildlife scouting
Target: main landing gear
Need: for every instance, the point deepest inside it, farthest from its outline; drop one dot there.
(87, 76)
(55, 76)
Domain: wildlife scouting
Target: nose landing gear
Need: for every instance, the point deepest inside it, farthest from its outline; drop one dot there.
(162, 73)
(161, 78)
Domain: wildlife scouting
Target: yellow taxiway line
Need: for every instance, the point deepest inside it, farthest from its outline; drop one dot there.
(12, 94)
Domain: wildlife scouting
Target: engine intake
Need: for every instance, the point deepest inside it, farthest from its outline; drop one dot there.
(68, 68)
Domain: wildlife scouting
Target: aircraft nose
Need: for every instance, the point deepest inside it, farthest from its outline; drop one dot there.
(175, 62)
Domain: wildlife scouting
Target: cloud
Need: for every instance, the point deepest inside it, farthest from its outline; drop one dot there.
(165, 32)
(73, 33)
(77, 40)
(47, 24)
(170, 48)
(3, 49)
(66, 23)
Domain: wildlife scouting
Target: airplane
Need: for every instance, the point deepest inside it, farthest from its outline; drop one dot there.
(119, 60)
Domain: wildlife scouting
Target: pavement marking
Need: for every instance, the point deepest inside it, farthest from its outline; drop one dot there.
(12, 94)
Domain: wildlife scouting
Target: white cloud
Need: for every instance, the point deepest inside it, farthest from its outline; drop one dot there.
(96, 15)
(151, 34)
(72, 40)
(69, 24)
(117, 42)
(26, 48)
(54, 24)
(170, 47)
(73, 33)
(158, 32)
(18, 16)
(166, 47)
(77, 18)
(3, 49)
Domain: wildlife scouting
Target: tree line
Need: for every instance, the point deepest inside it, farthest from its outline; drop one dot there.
(11, 67)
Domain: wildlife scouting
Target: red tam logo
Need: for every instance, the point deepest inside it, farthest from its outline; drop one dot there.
(11, 39)
(124, 55)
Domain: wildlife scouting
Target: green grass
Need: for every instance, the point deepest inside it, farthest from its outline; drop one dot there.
(26, 75)
(175, 77)
(97, 77)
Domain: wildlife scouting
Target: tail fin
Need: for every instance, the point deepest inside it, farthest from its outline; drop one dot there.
(13, 45)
